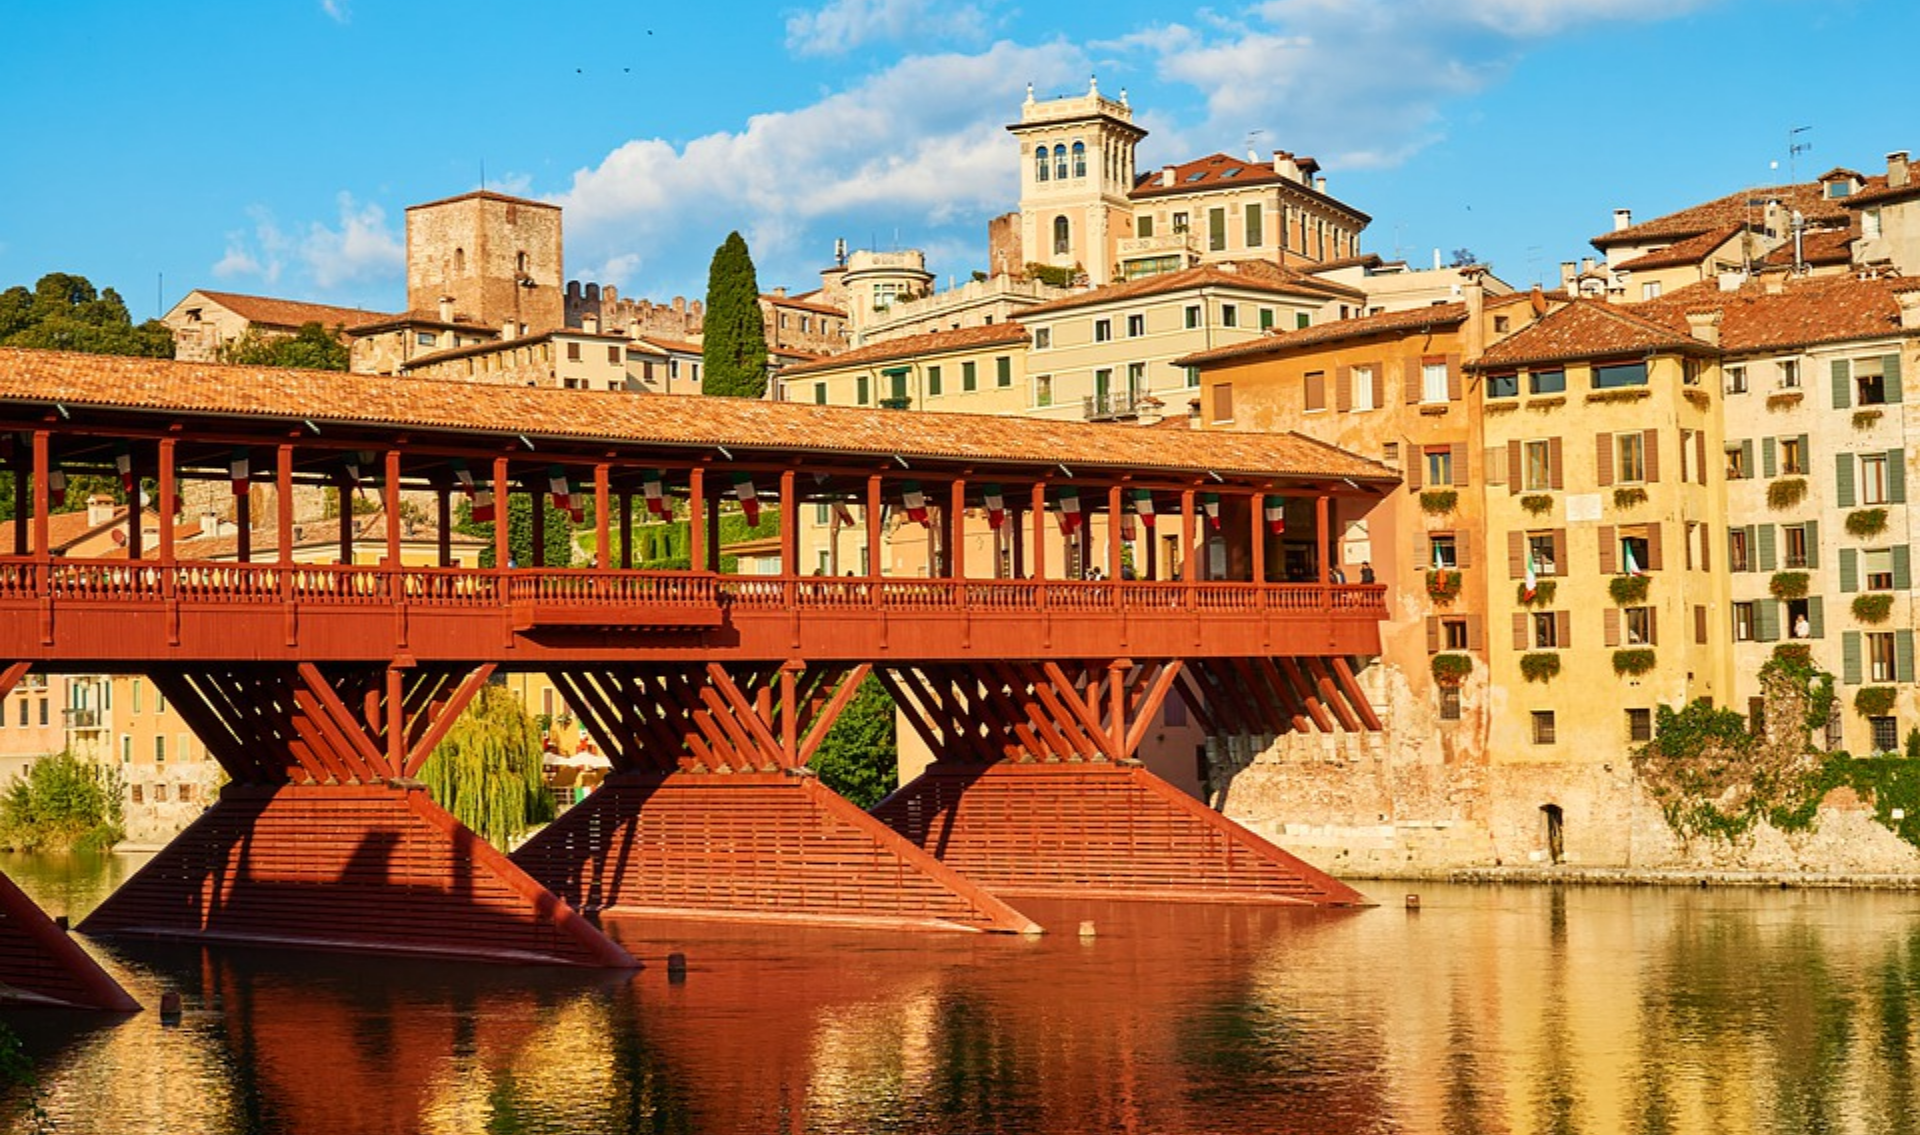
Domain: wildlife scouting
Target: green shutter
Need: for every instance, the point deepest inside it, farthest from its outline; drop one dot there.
(1768, 464)
(1813, 544)
(860, 391)
(1903, 656)
(1003, 370)
(1890, 376)
(969, 377)
(1896, 476)
(1843, 479)
(1850, 657)
(1841, 376)
(1806, 455)
(1766, 547)
(1816, 617)
(1766, 620)
(1849, 571)
(1746, 456)
(933, 382)
(1902, 567)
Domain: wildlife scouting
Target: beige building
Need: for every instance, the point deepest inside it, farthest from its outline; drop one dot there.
(571, 360)
(498, 259)
(205, 323)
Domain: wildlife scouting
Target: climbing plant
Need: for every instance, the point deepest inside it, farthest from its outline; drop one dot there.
(1628, 590)
(1542, 666)
(1542, 594)
(1786, 492)
(1628, 497)
(1874, 608)
(1633, 662)
(1536, 503)
(1436, 502)
(1867, 522)
(1788, 585)
(1451, 669)
(1874, 701)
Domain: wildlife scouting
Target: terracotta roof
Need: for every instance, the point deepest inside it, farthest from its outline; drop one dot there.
(1774, 314)
(1587, 329)
(273, 396)
(1220, 171)
(1823, 246)
(803, 305)
(1389, 322)
(65, 529)
(270, 312)
(1808, 197)
(421, 319)
(672, 346)
(1880, 192)
(1692, 250)
(1249, 275)
(485, 195)
(913, 346)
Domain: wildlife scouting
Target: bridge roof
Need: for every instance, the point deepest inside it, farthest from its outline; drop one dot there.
(237, 394)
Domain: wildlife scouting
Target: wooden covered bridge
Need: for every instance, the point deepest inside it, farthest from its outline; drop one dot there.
(321, 689)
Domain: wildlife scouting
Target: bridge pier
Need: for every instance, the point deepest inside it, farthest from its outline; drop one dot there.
(1036, 791)
(325, 839)
(711, 812)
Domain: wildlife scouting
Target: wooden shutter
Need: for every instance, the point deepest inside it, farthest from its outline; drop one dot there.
(1902, 567)
(1476, 633)
(1557, 468)
(1496, 465)
(1896, 476)
(1609, 551)
(1380, 385)
(1560, 564)
(1316, 390)
(1563, 628)
(1842, 374)
(1416, 460)
(1653, 626)
(1850, 657)
(1765, 551)
(1652, 456)
(1433, 634)
(1610, 627)
(1813, 544)
(1768, 465)
(1410, 380)
(1516, 555)
(1655, 561)
(1843, 479)
(1766, 620)
(1520, 630)
(1463, 548)
(1516, 472)
(1806, 455)
(1459, 461)
(1453, 378)
(1603, 458)
(1706, 547)
(1746, 456)
(1903, 656)
(1699, 624)
(1343, 388)
(1890, 376)
(1700, 454)
(1849, 571)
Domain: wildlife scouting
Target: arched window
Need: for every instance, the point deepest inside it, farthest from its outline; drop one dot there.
(1040, 164)
(1079, 159)
(1062, 237)
(1060, 163)
(520, 263)
(459, 261)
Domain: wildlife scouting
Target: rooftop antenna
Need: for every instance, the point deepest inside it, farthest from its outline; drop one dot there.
(1794, 149)
(1251, 135)
(483, 175)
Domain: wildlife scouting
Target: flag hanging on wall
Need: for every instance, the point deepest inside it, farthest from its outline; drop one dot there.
(749, 499)
(1532, 579)
(1276, 510)
(996, 505)
(915, 500)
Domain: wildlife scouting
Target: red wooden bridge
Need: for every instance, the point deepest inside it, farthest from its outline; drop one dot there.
(322, 688)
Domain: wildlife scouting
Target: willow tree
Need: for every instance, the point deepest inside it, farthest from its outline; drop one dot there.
(487, 770)
(733, 336)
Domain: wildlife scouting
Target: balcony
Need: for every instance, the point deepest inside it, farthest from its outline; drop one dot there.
(82, 720)
(1112, 406)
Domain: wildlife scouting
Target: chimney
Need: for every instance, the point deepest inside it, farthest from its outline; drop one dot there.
(1622, 220)
(1166, 177)
(446, 309)
(1586, 265)
(1704, 326)
(1909, 310)
(590, 324)
(506, 329)
(780, 292)
(1437, 264)
(1285, 166)
(1473, 291)
(1897, 174)
(100, 509)
(209, 524)
(1320, 185)
(1568, 274)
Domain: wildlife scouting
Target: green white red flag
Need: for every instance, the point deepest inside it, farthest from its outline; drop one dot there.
(748, 497)
(1276, 510)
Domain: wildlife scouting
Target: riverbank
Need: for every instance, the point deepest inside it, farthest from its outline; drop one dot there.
(1652, 877)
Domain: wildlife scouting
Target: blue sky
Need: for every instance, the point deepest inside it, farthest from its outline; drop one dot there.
(272, 147)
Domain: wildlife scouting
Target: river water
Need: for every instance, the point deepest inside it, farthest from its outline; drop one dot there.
(1491, 1009)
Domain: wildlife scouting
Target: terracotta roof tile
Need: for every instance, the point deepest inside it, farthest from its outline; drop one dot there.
(1252, 275)
(655, 425)
(271, 312)
(672, 346)
(1879, 192)
(1802, 312)
(803, 305)
(485, 195)
(64, 529)
(1692, 250)
(1443, 314)
(1221, 171)
(1733, 209)
(912, 346)
(1824, 246)
(1587, 329)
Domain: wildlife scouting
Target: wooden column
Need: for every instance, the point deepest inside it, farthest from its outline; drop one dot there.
(390, 502)
(873, 525)
(502, 550)
(22, 502)
(1258, 527)
(1117, 703)
(396, 721)
(345, 488)
(789, 525)
(626, 529)
(1320, 533)
(166, 503)
(713, 531)
(790, 710)
(1189, 562)
(443, 520)
(697, 519)
(42, 467)
(1018, 538)
(537, 500)
(957, 530)
(242, 516)
(1114, 530)
(283, 501)
(1040, 530)
(602, 504)
(135, 539)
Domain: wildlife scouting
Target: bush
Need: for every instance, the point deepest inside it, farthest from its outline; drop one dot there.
(63, 803)
(1788, 585)
(1628, 590)
(1867, 522)
(1451, 669)
(1539, 667)
(1875, 608)
(1631, 663)
(1786, 492)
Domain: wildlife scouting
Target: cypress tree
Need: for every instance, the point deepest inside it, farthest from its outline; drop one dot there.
(734, 342)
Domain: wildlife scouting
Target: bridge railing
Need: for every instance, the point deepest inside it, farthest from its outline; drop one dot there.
(357, 585)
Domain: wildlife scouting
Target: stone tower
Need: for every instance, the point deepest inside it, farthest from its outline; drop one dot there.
(498, 258)
(1076, 162)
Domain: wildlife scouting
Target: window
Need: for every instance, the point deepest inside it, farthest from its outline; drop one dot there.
(1180, 222)
(1143, 227)
(1223, 401)
(1256, 235)
(1079, 159)
(969, 376)
(1877, 566)
(1886, 734)
(1193, 316)
(933, 382)
(1870, 224)
(1624, 374)
(1880, 658)
(1650, 290)
(43, 711)
(613, 354)
(134, 706)
(820, 394)
(1634, 549)
(1440, 465)
(23, 713)
(160, 749)
(1446, 552)
(1537, 463)
(1640, 725)
(1003, 371)
(573, 352)
(1302, 320)
(1540, 548)
(1869, 384)
(1546, 630)
(139, 795)
(1794, 537)
(1433, 382)
(1873, 478)
(1543, 727)
(1453, 633)
(1501, 324)
(1136, 326)
(1547, 382)
(860, 390)
(1362, 388)
(1043, 390)
(1737, 463)
(1042, 338)
(1216, 230)
(1630, 458)
(1737, 552)
(1790, 374)
(1449, 703)
(1040, 157)
(1793, 457)
(1229, 315)
(673, 368)
(426, 338)
(1639, 626)
(1060, 163)
(1136, 381)
(1503, 385)
(1062, 236)
(1316, 390)
(1103, 330)
(1742, 622)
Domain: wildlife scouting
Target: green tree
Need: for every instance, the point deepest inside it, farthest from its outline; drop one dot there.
(62, 803)
(313, 347)
(859, 759)
(734, 336)
(487, 771)
(64, 312)
(559, 531)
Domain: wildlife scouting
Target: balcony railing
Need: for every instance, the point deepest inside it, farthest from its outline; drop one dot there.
(1112, 405)
(86, 718)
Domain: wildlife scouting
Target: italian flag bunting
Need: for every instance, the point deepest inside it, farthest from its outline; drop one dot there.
(1143, 505)
(239, 469)
(57, 484)
(654, 488)
(996, 505)
(1631, 565)
(1532, 580)
(915, 500)
(463, 476)
(562, 492)
(1069, 509)
(123, 461)
(483, 506)
(743, 490)
(1210, 502)
(1276, 508)
(1439, 568)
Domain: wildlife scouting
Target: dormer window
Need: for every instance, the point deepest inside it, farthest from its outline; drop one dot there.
(1839, 189)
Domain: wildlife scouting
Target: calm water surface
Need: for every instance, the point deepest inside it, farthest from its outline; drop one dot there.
(1492, 1009)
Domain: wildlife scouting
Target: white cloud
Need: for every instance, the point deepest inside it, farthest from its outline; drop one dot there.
(362, 249)
(259, 253)
(842, 25)
(337, 10)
